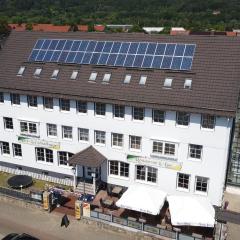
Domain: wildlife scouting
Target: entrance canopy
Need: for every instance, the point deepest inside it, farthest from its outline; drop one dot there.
(142, 198)
(89, 157)
(191, 211)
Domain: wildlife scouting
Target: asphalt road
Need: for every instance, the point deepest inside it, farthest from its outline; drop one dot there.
(45, 226)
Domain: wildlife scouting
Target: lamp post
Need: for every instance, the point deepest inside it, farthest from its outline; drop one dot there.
(74, 177)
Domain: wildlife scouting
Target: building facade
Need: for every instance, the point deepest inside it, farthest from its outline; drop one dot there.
(168, 127)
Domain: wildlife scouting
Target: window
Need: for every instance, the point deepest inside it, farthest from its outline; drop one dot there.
(201, 184)
(5, 149)
(51, 130)
(195, 151)
(64, 104)
(37, 72)
(93, 76)
(168, 82)
(158, 116)
(143, 80)
(17, 150)
(55, 74)
(135, 142)
(15, 99)
(188, 84)
(74, 75)
(127, 78)
(28, 128)
(157, 147)
(138, 113)
(119, 169)
(169, 149)
(208, 121)
(118, 111)
(145, 173)
(21, 71)
(117, 140)
(44, 155)
(83, 134)
(100, 137)
(183, 181)
(66, 132)
(1, 97)
(183, 118)
(8, 123)
(106, 77)
(81, 106)
(48, 102)
(63, 157)
(32, 101)
(100, 109)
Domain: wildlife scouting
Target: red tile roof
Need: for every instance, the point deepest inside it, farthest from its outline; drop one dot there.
(99, 28)
(83, 28)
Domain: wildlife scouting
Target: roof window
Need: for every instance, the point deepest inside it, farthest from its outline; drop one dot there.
(188, 84)
(74, 75)
(93, 76)
(55, 74)
(106, 77)
(143, 80)
(37, 72)
(127, 78)
(21, 71)
(168, 82)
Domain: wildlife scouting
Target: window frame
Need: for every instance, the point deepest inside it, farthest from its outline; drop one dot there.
(115, 139)
(15, 150)
(55, 74)
(185, 181)
(168, 81)
(137, 115)
(37, 72)
(47, 103)
(1, 97)
(193, 153)
(180, 120)
(79, 135)
(100, 135)
(196, 183)
(63, 157)
(15, 99)
(80, 103)
(64, 105)
(52, 130)
(46, 153)
(28, 127)
(67, 131)
(32, 101)
(143, 173)
(143, 80)
(208, 116)
(102, 109)
(5, 148)
(120, 109)
(153, 116)
(106, 77)
(74, 75)
(119, 166)
(127, 79)
(136, 139)
(188, 84)
(6, 124)
(93, 77)
(21, 71)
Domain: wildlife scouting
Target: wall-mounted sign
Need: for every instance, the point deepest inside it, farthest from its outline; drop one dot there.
(155, 161)
(39, 142)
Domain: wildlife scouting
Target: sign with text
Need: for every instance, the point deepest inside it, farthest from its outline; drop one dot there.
(155, 161)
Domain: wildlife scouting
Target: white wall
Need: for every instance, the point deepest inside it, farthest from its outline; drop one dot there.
(212, 165)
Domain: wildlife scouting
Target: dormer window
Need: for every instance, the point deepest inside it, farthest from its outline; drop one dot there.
(143, 80)
(93, 76)
(37, 72)
(188, 84)
(168, 83)
(74, 75)
(106, 77)
(55, 74)
(127, 78)
(21, 71)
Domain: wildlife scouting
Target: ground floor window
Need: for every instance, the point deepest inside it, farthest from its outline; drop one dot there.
(201, 184)
(44, 155)
(145, 173)
(63, 157)
(17, 150)
(118, 168)
(5, 149)
(183, 181)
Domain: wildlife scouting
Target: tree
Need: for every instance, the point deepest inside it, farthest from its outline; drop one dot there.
(4, 28)
(29, 27)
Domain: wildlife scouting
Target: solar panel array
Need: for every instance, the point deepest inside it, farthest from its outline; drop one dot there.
(175, 56)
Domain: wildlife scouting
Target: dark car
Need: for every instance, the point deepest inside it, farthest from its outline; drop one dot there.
(23, 236)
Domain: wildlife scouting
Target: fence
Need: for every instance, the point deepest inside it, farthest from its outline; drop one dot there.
(142, 226)
(67, 182)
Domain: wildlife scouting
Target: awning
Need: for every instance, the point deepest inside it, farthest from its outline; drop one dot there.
(89, 157)
(142, 198)
(191, 211)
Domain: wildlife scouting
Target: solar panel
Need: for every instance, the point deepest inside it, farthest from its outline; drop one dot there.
(175, 56)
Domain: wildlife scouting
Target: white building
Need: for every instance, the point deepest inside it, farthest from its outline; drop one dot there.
(163, 124)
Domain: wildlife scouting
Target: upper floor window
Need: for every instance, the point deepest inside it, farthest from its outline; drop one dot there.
(64, 104)
(127, 78)
(44, 155)
(1, 97)
(83, 134)
(118, 111)
(55, 74)
(188, 84)
(135, 142)
(37, 72)
(21, 71)
(66, 132)
(29, 128)
(100, 137)
(169, 149)
(8, 123)
(146, 173)
(51, 130)
(5, 148)
(143, 80)
(168, 83)
(158, 116)
(48, 102)
(138, 113)
(63, 157)
(17, 150)
(157, 147)
(164, 148)
(117, 140)
(183, 181)
(118, 168)
(81, 106)
(32, 101)
(208, 121)
(201, 184)
(183, 118)
(195, 151)
(100, 109)
(74, 75)
(15, 99)
(106, 77)
(93, 76)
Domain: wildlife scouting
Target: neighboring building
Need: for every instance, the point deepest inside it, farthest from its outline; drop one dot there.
(40, 27)
(123, 27)
(153, 29)
(123, 108)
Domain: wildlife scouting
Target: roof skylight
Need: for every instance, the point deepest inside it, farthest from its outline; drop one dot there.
(37, 72)
(93, 76)
(74, 75)
(168, 82)
(21, 71)
(143, 80)
(127, 78)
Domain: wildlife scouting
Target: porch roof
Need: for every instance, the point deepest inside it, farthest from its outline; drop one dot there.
(89, 157)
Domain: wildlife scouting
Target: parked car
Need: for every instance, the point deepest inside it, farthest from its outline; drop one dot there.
(23, 236)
